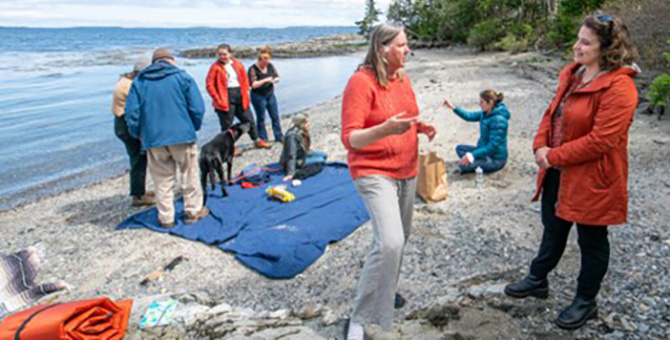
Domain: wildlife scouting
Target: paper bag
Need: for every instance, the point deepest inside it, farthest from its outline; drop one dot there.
(432, 182)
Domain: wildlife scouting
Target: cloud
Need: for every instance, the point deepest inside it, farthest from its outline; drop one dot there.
(182, 13)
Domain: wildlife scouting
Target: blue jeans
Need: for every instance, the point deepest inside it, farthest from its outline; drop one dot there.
(315, 157)
(487, 164)
(269, 102)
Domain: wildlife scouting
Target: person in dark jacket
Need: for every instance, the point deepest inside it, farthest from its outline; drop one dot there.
(262, 77)
(296, 153)
(138, 158)
(490, 154)
(164, 109)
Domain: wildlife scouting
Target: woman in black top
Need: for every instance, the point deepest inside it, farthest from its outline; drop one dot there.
(263, 76)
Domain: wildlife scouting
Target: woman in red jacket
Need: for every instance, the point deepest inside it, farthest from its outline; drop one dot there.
(581, 149)
(380, 131)
(228, 85)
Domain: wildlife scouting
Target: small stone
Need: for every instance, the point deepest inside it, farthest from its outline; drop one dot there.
(644, 307)
(476, 291)
(280, 314)
(263, 315)
(628, 325)
(498, 289)
(642, 328)
(220, 309)
(329, 317)
(310, 312)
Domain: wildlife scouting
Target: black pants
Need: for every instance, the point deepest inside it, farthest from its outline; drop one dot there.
(593, 243)
(236, 109)
(138, 158)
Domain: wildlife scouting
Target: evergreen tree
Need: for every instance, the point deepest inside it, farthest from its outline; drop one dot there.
(371, 17)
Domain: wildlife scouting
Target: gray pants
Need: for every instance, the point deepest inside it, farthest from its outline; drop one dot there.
(390, 204)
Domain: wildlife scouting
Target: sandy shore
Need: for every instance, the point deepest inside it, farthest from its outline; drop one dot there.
(461, 251)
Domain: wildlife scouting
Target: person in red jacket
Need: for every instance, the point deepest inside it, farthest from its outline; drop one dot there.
(380, 130)
(581, 148)
(228, 85)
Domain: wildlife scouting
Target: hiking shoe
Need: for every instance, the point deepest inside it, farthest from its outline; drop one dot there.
(145, 200)
(261, 144)
(192, 219)
(166, 225)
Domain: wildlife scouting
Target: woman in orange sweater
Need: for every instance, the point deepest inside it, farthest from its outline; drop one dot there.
(581, 148)
(380, 129)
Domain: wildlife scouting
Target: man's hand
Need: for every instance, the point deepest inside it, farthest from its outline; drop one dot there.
(464, 161)
(287, 178)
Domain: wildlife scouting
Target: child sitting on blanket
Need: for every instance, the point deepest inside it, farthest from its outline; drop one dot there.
(296, 153)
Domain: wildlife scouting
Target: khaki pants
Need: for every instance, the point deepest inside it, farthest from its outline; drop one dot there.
(163, 162)
(390, 204)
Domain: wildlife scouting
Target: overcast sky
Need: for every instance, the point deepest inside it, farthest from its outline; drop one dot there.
(182, 13)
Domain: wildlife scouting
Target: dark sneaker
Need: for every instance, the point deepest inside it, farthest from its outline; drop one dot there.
(529, 286)
(192, 219)
(576, 315)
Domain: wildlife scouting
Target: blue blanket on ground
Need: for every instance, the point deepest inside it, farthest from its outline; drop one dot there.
(279, 240)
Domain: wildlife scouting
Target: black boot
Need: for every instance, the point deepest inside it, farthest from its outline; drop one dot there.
(576, 315)
(529, 286)
(399, 302)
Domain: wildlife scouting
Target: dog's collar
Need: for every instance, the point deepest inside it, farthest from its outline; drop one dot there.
(232, 132)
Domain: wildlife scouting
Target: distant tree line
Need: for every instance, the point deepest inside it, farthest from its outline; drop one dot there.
(512, 25)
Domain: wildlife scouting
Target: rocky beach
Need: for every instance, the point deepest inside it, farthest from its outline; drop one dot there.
(316, 47)
(461, 253)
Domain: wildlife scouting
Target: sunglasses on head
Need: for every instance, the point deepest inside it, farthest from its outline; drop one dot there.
(604, 18)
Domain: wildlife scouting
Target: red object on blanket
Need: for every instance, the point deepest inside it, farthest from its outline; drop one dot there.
(249, 185)
(98, 319)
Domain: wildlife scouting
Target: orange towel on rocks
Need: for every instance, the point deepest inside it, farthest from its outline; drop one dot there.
(98, 319)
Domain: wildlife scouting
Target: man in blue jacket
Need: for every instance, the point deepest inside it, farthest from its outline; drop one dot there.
(164, 110)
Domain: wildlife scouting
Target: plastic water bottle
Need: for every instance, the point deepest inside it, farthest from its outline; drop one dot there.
(479, 177)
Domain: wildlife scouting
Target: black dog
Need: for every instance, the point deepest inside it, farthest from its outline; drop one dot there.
(217, 152)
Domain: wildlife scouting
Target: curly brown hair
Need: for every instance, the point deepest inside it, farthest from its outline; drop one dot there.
(616, 47)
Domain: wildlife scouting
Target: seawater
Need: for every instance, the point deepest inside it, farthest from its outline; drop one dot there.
(56, 128)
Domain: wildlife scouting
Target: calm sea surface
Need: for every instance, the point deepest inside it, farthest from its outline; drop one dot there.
(56, 128)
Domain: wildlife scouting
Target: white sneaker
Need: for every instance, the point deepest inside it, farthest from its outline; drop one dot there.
(356, 331)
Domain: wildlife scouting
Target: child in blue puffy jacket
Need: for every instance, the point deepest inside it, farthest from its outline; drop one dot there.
(491, 151)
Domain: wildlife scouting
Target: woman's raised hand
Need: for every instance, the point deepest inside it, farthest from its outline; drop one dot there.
(448, 104)
(396, 125)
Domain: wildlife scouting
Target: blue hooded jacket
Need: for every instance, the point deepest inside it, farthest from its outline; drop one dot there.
(493, 131)
(164, 107)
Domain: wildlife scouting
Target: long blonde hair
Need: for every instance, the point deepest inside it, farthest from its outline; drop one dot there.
(380, 39)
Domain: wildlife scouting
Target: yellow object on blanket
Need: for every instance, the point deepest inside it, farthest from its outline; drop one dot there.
(280, 193)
